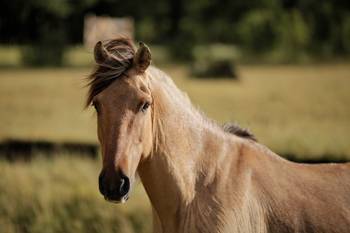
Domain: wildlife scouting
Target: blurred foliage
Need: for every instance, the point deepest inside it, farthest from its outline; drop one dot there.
(47, 50)
(289, 30)
(42, 25)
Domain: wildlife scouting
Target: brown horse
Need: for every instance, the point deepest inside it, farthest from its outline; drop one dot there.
(199, 176)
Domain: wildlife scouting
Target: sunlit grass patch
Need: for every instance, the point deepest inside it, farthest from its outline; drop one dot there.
(45, 104)
(10, 56)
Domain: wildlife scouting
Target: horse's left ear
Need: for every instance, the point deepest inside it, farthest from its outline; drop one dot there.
(143, 58)
(100, 53)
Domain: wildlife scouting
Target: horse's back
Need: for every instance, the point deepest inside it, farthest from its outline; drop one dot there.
(319, 200)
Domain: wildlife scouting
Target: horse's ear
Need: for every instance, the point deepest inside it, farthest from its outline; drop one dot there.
(100, 53)
(143, 58)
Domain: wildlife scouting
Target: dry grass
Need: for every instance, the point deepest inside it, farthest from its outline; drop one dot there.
(298, 109)
(45, 104)
(61, 195)
(302, 110)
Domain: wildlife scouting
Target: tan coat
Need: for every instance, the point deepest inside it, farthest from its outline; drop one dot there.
(200, 178)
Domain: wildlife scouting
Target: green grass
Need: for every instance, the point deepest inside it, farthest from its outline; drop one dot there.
(61, 195)
(10, 56)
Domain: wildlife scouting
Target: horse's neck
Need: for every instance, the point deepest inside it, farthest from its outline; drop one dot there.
(182, 139)
(173, 174)
(194, 167)
(197, 170)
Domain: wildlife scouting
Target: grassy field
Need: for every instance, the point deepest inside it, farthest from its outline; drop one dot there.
(297, 110)
(300, 110)
(61, 195)
(45, 104)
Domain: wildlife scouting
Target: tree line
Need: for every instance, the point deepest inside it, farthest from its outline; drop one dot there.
(290, 28)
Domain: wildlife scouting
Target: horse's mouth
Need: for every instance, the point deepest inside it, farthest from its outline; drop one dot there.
(118, 201)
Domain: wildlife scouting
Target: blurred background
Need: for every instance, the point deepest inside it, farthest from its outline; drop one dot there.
(281, 67)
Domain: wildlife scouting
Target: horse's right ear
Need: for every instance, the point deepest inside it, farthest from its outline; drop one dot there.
(100, 53)
(143, 58)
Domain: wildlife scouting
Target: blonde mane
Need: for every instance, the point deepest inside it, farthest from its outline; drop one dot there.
(231, 128)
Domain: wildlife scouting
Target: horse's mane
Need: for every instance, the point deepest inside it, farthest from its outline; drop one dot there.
(239, 131)
(122, 51)
(232, 128)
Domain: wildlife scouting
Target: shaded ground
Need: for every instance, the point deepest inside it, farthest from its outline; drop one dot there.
(25, 150)
(322, 159)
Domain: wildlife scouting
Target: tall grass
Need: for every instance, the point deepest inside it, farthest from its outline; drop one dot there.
(61, 195)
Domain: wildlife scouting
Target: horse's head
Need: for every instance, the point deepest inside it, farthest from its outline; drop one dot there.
(120, 93)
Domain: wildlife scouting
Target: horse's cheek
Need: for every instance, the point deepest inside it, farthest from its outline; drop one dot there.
(146, 139)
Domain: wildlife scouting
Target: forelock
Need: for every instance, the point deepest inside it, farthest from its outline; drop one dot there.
(121, 54)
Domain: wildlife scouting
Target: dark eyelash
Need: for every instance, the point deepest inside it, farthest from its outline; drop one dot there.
(145, 106)
(95, 106)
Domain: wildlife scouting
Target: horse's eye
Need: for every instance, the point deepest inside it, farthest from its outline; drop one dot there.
(95, 106)
(144, 108)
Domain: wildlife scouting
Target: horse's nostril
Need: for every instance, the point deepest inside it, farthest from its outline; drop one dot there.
(124, 186)
(101, 187)
(116, 189)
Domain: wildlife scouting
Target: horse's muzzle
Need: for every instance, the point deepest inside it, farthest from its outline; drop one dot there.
(117, 191)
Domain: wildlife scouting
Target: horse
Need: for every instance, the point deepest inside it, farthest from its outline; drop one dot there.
(198, 175)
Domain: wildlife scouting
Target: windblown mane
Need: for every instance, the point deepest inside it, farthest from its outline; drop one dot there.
(122, 51)
(237, 130)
